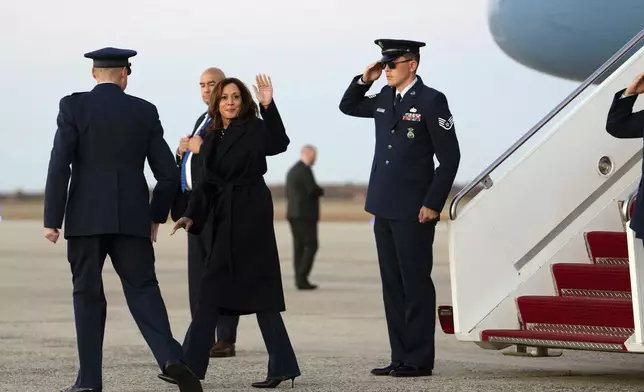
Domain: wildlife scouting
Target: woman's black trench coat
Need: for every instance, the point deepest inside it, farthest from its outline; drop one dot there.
(243, 272)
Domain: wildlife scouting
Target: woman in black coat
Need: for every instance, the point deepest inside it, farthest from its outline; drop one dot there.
(242, 273)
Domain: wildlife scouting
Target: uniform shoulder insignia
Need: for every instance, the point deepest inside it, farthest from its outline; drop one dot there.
(446, 124)
(79, 93)
(372, 96)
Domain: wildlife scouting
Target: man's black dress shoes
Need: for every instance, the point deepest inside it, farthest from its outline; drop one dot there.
(385, 371)
(410, 371)
(74, 388)
(401, 370)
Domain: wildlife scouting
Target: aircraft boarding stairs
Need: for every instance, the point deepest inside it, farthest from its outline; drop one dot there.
(543, 256)
(592, 308)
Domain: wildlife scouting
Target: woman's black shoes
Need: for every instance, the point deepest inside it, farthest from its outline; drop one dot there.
(272, 383)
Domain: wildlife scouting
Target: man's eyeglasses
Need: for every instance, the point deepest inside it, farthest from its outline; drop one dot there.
(392, 64)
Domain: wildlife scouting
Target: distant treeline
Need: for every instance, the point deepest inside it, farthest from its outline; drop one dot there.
(332, 191)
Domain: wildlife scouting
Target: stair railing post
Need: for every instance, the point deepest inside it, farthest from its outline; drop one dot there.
(636, 270)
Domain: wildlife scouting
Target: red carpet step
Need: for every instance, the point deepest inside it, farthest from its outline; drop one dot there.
(576, 311)
(592, 280)
(607, 247)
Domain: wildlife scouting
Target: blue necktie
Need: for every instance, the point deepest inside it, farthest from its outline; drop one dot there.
(184, 182)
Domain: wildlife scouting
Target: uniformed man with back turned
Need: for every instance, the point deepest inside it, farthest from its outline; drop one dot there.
(106, 135)
(406, 195)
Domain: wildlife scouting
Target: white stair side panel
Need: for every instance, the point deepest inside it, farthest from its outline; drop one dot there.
(541, 282)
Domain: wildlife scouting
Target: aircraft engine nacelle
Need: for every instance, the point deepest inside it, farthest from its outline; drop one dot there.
(570, 39)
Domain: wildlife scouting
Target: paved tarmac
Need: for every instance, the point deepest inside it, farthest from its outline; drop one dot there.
(338, 331)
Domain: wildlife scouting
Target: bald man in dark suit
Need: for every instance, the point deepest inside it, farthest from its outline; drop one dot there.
(303, 213)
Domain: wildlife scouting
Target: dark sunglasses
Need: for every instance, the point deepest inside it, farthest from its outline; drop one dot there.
(392, 64)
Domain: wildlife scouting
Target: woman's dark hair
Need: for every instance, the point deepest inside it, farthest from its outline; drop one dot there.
(248, 109)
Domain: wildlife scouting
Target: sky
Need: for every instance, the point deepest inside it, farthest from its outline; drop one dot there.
(311, 50)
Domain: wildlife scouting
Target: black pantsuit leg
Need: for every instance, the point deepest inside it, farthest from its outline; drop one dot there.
(197, 251)
(197, 343)
(282, 363)
(198, 340)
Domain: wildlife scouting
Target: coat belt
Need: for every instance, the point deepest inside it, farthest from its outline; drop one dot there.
(223, 204)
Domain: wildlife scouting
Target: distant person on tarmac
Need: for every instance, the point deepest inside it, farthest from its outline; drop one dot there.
(303, 213)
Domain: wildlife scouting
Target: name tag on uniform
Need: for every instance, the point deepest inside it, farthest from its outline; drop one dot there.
(381, 110)
(411, 117)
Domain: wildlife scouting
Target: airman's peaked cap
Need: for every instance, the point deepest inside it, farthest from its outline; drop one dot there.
(112, 58)
(394, 48)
